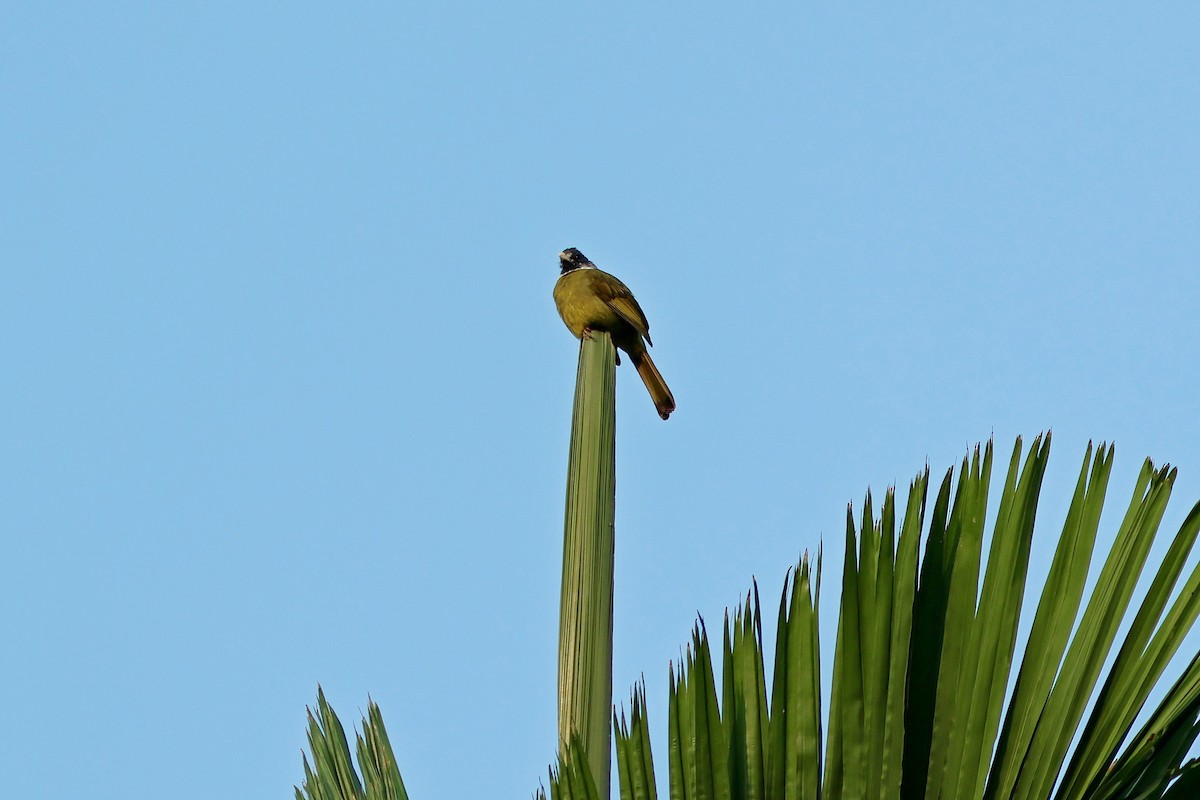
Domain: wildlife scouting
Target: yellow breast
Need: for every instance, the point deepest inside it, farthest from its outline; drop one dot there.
(580, 305)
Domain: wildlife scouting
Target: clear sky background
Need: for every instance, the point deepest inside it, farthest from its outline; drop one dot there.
(286, 400)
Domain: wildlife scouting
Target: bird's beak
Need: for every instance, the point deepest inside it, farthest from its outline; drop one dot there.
(563, 256)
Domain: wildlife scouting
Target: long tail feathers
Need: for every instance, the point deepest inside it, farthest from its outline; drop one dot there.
(664, 401)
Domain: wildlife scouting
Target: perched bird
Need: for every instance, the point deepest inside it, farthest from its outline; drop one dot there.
(589, 299)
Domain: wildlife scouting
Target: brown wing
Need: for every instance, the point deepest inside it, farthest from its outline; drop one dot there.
(621, 300)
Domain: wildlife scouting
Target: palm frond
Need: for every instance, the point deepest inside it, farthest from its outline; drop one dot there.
(635, 764)
(925, 649)
(572, 778)
(331, 774)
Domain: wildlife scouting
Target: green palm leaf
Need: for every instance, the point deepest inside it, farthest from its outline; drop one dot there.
(925, 651)
(331, 775)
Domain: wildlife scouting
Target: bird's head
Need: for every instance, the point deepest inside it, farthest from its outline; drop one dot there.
(571, 259)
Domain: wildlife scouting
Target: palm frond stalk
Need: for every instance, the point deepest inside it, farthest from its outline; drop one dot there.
(586, 611)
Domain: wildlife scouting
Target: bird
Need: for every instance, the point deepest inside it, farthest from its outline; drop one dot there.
(589, 299)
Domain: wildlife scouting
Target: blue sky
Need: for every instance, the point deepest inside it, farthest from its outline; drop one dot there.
(287, 400)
